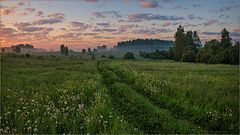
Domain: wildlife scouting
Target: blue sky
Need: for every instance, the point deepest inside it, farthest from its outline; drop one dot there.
(89, 23)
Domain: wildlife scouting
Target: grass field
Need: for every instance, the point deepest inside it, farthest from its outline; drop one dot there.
(49, 94)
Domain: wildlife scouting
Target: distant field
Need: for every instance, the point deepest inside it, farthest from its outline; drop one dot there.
(53, 94)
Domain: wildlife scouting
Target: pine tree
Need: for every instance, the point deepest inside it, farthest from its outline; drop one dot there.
(62, 49)
(226, 40)
(66, 51)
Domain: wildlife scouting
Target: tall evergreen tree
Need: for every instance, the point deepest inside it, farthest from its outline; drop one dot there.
(196, 40)
(83, 50)
(62, 49)
(226, 40)
(180, 42)
(66, 51)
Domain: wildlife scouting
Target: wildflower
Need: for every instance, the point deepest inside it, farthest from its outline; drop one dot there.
(35, 129)
(28, 121)
(18, 110)
(101, 116)
(29, 128)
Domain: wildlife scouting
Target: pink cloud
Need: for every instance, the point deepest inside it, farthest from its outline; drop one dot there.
(211, 11)
(237, 30)
(149, 4)
(59, 16)
(127, 1)
(209, 22)
(39, 13)
(94, 1)
(30, 9)
(176, 7)
(9, 11)
(124, 28)
(166, 24)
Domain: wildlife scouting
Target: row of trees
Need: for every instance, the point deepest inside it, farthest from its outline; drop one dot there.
(89, 51)
(188, 48)
(154, 55)
(64, 50)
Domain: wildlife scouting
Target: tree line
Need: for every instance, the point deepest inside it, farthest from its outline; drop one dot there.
(188, 48)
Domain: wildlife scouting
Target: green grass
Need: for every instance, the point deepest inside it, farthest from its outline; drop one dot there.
(46, 94)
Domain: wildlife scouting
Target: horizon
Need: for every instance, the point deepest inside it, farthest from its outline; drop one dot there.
(92, 23)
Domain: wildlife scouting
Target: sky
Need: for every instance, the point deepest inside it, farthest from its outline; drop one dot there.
(82, 24)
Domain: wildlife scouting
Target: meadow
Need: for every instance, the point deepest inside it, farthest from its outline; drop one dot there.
(56, 94)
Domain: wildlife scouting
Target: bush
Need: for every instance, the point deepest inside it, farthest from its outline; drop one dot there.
(27, 55)
(129, 55)
(103, 56)
(110, 56)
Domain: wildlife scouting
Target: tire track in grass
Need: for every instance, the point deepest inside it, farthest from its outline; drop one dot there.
(191, 113)
(139, 110)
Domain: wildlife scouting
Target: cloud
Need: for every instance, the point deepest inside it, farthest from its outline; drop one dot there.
(148, 32)
(124, 28)
(81, 26)
(20, 3)
(149, 4)
(127, 1)
(209, 22)
(191, 25)
(234, 34)
(191, 16)
(21, 25)
(237, 30)
(162, 30)
(21, 14)
(32, 29)
(25, 27)
(76, 24)
(211, 11)
(166, 24)
(90, 34)
(39, 13)
(103, 37)
(46, 21)
(58, 16)
(104, 30)
(93, 1)
(166, 1)
(103, 24)
(210, 33)
(69, 35)
(145, 16)
(196, 5)
(106, 13)
(176, 7)
(98, 15)
(8, 11)
(30, 9)
(7, 32)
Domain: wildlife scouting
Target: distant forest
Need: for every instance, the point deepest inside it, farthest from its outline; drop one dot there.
(147, 45)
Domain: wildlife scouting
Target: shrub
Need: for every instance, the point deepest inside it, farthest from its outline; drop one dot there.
(27, 55)
(103, 56)
(129, 55)
(110, 56)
